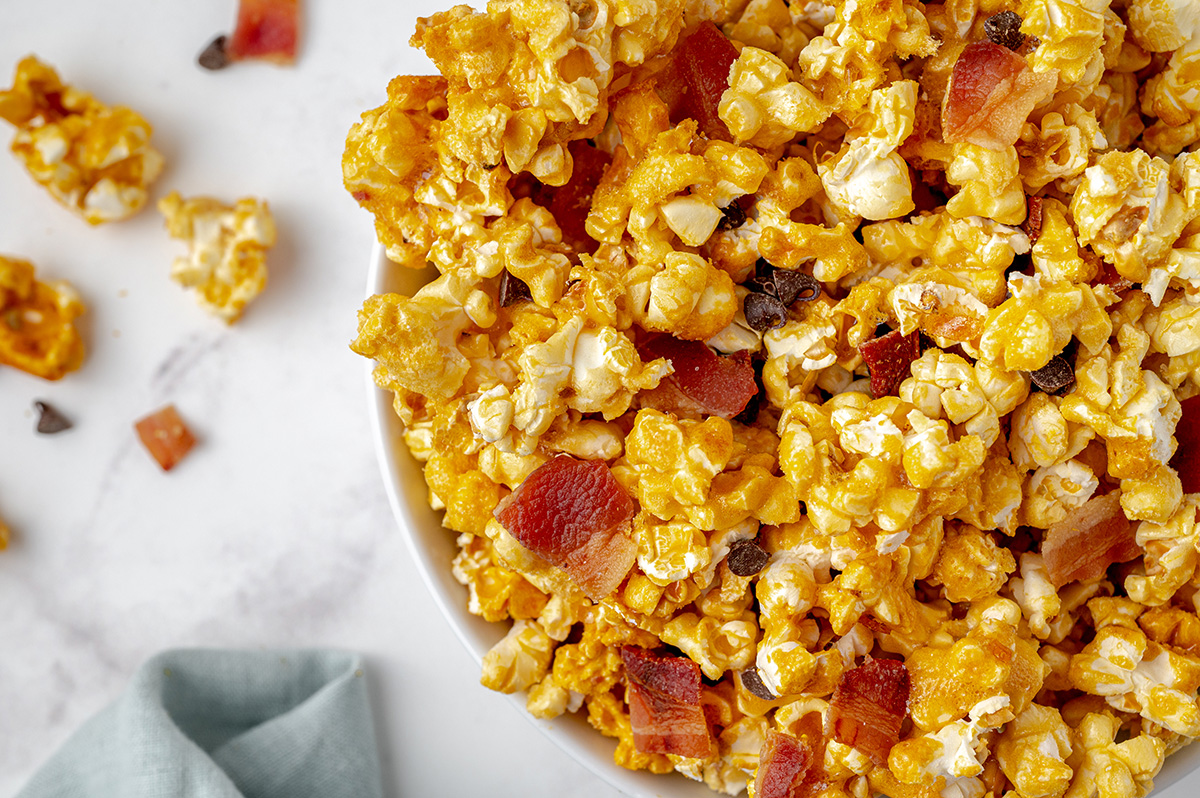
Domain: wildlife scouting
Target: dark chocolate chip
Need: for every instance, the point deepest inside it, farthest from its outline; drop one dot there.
(214, 56)
(50, 420)
(754, 684)
(792, 286)
(762, 285)
(746, 558)
(732, 215)
(1004, 29)
(1056, 377)
(764, 312)
(513, 290)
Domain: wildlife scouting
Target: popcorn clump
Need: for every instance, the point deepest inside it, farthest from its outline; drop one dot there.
(881, 323)
(227, 244)
(96, 160)
(37, 322)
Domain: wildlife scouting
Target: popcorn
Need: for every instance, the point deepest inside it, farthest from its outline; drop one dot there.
(37, 333)
(95, 160)
(762, 107)
(582, 199)
(227, 244)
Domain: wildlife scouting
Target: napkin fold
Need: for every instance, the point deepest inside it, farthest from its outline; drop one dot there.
(207, 723)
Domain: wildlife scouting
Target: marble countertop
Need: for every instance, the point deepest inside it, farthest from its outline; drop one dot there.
(275, 531)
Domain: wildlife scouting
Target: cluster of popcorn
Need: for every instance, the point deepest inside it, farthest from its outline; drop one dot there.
(883, 318)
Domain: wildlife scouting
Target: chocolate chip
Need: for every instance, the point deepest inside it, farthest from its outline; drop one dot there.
(50, 420)
(1056, 377)
(754, 684)
(1004, 29)
(214, 56)
(513, 290)
(732, 215)
(764, 312)
(746, 558)
(792, 286)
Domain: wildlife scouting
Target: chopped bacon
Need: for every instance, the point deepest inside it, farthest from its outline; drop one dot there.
(1186, 460)
(571, 203)
(664, 704)
(1033, 219)
(1091, 538)
(165, 436)
(574, 514)
(697, 76)
(703, 383)
(266, 29)
(868, 706)
(783, 764)
(1111, 277)
(992, 90)
(888, 358)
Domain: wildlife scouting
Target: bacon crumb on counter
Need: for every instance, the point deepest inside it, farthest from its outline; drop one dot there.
(664, 704)
(165, 436)
(267, 30)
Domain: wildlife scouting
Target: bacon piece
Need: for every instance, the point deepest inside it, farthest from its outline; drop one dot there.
(888, 358)
(783, 764)
(704, 383)
(165, 436)
(266, 29)
(1033, 218)
(664, 704)
(692, 84)
(1111, 277)
(1186, 460)
(571, 203)
(992, 90)
(869, 705)
(574, 514)
(1091, 538)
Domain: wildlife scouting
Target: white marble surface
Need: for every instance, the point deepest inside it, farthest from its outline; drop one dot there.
(275, 531)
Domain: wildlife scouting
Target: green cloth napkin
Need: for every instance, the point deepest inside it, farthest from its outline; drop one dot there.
(226, 724)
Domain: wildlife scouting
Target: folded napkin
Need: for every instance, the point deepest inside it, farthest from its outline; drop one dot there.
(226, 724)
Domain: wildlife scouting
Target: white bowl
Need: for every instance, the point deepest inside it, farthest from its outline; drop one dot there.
(433, 549)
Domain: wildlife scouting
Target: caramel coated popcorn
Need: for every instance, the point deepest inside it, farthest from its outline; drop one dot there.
(227, 244)
(96, 160)
(680, 246)
(37, 322)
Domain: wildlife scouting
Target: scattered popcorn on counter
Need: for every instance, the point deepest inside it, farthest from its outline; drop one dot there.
(227, 244)
(95, 160)
(37, 322)
(818, 374)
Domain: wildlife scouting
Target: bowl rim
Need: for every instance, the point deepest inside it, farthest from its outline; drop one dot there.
(569, 732)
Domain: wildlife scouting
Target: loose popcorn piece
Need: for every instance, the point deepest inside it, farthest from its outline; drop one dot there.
(227, 244)
(95, 160)
(37, 322)
(811, 387)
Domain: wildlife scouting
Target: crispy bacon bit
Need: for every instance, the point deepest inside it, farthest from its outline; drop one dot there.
(888, 358)
(267, 30)
(1091, 538)
(165, 436)
(1111, 277)
(703, 381)
(868, 706)
(1186, 460)
(571, 203)
(783, 764)
(664, 704)
(574, 514)
(1033, 218)
(692, 84)
(992, 90)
